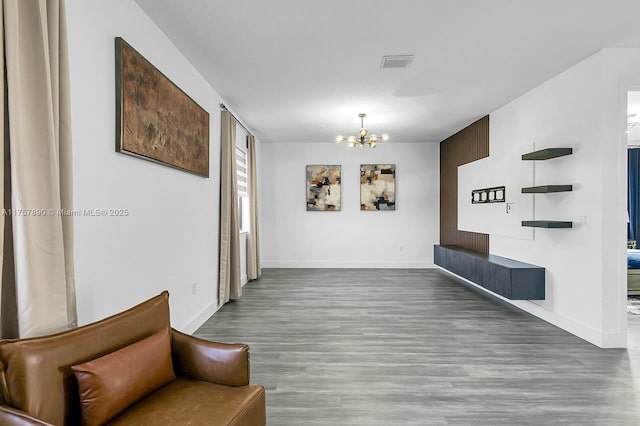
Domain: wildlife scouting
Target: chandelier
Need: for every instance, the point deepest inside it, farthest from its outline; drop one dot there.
(364, 138)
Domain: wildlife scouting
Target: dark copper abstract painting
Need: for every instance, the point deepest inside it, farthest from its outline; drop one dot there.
(155, 119)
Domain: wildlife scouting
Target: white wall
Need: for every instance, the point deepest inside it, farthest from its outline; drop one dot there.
(584, 108)
(503, 167)
(169, 240)
(294, 237)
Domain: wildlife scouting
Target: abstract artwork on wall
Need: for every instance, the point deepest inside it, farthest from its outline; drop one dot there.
(377, 187)
(155, 120)
(323, 188)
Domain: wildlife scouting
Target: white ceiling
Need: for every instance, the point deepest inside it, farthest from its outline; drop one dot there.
(301, 71)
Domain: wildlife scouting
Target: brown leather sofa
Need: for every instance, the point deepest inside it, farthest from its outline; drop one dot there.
(133, 360)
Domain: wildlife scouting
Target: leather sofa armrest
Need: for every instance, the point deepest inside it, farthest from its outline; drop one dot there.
(13, 417)
(220, 363)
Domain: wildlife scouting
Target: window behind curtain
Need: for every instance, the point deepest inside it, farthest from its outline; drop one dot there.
(243, 195)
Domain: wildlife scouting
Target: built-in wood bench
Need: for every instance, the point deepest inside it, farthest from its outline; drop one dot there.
(507, 277)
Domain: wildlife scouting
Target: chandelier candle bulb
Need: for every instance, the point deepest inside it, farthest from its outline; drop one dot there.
(364, 139)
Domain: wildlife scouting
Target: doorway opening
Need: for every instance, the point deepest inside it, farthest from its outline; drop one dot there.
(633, 220)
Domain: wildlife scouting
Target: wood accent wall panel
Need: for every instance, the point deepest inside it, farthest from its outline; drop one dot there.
(469, 144)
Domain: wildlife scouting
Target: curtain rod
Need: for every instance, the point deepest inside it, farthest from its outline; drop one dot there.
(223, 106)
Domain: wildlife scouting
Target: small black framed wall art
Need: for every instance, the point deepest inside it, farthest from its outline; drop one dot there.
(488, 195)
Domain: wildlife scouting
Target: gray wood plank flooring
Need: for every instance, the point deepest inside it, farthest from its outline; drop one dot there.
(417, 347)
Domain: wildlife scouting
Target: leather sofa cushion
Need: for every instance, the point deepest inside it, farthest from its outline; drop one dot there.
(36, 375)
(197, 403)
(113, 382)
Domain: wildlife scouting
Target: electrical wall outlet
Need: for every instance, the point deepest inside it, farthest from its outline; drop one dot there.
(194, 288)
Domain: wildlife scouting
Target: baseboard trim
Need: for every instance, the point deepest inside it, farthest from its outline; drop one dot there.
(200, 319)
(347, 264)
(583, 331)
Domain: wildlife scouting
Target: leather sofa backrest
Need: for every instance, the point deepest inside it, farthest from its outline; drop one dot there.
(35, 373)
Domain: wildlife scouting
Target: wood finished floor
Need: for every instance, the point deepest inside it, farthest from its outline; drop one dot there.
(417, 347)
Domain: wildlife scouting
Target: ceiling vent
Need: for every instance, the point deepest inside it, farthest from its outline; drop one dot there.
(396, 61)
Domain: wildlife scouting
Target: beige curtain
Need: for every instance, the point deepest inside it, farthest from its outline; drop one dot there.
(254, 269)
(230, 285)
(37, 135)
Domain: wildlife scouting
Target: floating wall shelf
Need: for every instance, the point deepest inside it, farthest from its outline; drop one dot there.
(546, 154)
(509, 278)
(547, 224)
(544, 189)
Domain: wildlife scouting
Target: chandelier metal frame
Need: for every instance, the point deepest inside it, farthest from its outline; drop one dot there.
(364, 138)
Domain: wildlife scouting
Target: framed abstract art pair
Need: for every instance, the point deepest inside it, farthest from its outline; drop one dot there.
(377, 187)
